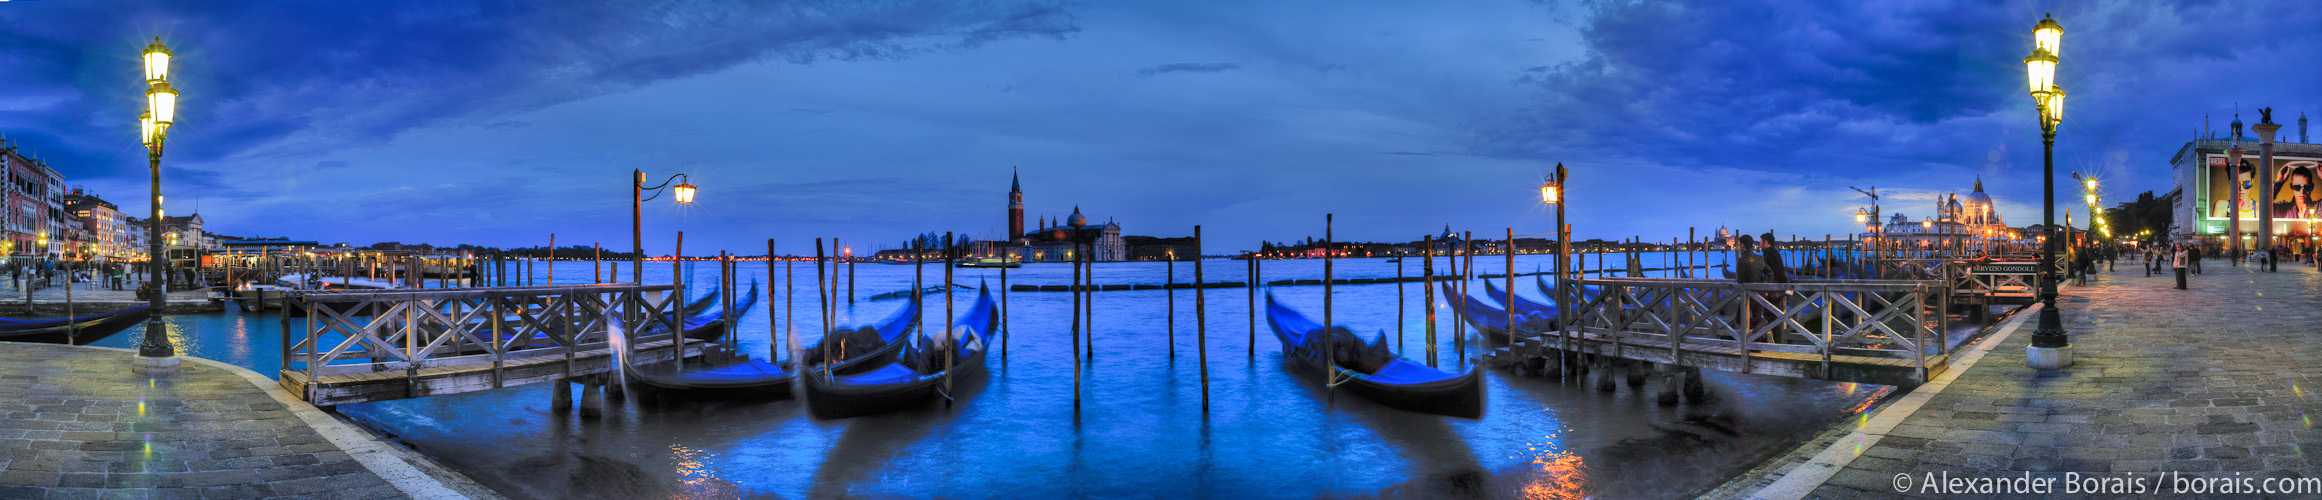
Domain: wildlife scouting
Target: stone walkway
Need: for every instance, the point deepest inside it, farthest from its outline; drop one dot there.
(78, 424)
(2175, 393)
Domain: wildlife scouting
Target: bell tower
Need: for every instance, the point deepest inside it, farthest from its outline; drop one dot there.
(1015, 208)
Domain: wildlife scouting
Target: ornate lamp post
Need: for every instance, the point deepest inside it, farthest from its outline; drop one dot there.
(684, 193)
(2051, 347)
(155, 355)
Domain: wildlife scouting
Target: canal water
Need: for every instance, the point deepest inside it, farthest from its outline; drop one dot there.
(1141, 431)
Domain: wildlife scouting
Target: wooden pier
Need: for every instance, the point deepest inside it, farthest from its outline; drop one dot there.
(376, 345)
(1890, 332)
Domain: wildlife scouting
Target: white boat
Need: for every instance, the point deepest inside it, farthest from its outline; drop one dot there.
(300, 281)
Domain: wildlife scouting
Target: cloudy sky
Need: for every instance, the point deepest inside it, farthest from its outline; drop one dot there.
(498, 123)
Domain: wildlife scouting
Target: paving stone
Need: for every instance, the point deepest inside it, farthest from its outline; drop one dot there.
(76, 423)
(2209, 381)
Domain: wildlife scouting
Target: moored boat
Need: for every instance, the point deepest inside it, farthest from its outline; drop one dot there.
(914, 378)
(1370, 370)
(80, 330)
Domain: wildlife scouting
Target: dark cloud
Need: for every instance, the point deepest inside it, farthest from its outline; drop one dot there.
(284, 78)
(1189, 68)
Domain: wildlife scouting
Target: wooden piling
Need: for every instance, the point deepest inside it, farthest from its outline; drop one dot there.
(773, 323)
(918, 277)
(774, 326)
(1004, 330)
(823, 294)
(1427, 288)
(1074, 319)
(1329, 355)
(599, 260)
(1201, 319)
(1088, 260)
(850, 274)
(1169, 293)
(948, 342)
(1256, 280)
(1399, 307)
(677, 337)
(1511, 281)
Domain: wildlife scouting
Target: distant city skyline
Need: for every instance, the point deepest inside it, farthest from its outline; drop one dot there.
(500, 123)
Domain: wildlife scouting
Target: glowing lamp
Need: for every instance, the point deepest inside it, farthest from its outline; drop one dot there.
(684, 193)
(1551, 193)
(1927, 223)
(161, 100)
(156, 61)
(2040, 70)
(1861, 216)
(146, 128)
(2048, 35)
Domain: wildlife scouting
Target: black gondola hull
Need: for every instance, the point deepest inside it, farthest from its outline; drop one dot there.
(89, 329)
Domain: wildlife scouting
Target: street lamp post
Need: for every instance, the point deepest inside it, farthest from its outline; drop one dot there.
(684, 194)
(1552, 192)
(2051, 347)
(155, 355)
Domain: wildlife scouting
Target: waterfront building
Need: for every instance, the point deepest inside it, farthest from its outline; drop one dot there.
(1957, 220)
(34, 201)
(2202, 171)
(1061, 243)
(106, 232)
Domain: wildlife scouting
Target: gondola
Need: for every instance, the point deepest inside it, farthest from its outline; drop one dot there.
(865, 348)
(914, 378)
(1491, 321)
(709, 325)
(80, 330)
(1371, 371)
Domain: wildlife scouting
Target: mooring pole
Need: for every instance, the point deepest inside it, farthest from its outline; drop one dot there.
(1399, 307)
(822, 297)
(1427, 289)
(1004, 330)
(1329, 356)
(949, 340)
(552, 259)
(1511, 281)
(1256, 280)
(598, 260)
(773, 323)
(1074, 319)
(1169, 291)
(1201, 319)
(1088, 260)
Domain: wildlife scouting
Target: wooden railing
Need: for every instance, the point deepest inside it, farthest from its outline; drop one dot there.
(475, 333)
(1855, 319)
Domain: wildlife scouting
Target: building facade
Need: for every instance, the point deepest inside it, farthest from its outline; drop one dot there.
(2205, 174)
(34, 201)
(1957, 220)
(105, 231)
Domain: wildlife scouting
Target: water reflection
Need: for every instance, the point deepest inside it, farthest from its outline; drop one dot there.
(1141, 432)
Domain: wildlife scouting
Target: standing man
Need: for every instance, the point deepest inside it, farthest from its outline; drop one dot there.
(2192, 256)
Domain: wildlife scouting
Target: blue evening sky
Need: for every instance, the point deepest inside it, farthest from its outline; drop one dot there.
(498, 123)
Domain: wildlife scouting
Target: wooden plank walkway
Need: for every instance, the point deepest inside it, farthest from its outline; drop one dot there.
(1882, 370)
(378, 345)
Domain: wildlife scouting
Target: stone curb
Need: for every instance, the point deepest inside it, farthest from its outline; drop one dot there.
(356, 443)
(1803, 480)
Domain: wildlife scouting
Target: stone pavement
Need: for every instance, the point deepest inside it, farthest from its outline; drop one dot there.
(75, 423)
(2177, 389)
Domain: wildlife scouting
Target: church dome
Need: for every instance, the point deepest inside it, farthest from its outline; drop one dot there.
(1977, 199)
(1076, 220)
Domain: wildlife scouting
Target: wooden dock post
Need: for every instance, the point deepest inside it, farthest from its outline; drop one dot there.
(1169, 293)
(918, 281)
(1074, 319)
(676, 263)
(1400, 308)
(773, 321)
(1004, 330)
(1329, 355)
(1257, 279)
(823, 294)
(1088, 260)
(850, 273)
(1200, 320)
(599, 260)
(1467, 242)
(948, 342)
(1427, 288)
(1511, 281)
